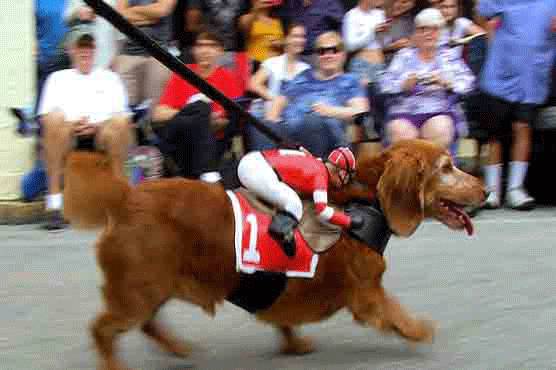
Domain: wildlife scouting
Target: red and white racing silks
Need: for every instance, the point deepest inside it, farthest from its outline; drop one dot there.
(306, 175)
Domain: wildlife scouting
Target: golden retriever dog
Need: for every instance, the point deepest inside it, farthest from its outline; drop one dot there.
(174, 238)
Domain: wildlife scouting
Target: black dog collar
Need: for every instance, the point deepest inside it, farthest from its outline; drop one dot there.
(375, 232)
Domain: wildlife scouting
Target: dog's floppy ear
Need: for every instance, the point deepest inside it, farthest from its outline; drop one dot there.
(401, 192)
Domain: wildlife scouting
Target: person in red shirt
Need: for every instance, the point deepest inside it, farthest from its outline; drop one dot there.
(279, 175)
(189, 123)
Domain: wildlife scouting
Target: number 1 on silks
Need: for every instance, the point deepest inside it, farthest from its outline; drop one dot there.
(252, 255)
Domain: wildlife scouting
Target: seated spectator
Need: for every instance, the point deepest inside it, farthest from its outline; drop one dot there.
(263, 32)
(360, 28)
(80, 103)
(423, 79)
(400, 28)
(222, 18)
(191, 127)
(456, 27)
(267, 80)
(143, 75)
(77, 11)
(315, 107)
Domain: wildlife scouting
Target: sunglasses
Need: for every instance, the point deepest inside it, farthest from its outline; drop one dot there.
(329, 50)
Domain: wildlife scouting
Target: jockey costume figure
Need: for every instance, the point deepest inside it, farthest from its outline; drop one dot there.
(278, 175)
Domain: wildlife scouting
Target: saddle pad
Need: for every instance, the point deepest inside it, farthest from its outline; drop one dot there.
(256, 250)
(319, 235)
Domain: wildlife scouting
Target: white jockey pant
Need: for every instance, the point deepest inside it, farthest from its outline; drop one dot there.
(258, 176)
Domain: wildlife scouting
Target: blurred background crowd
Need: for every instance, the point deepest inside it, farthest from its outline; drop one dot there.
(325, 73)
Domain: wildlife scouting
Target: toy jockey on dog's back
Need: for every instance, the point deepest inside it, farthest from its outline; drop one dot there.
(278, 175)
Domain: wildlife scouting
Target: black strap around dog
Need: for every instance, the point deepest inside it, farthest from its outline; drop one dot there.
(375, 232)
(258, 291)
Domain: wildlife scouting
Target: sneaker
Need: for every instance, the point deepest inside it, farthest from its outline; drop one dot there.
(519, 199)
(492, 201)
(55, 222)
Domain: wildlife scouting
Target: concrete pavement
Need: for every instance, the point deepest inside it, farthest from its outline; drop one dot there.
(493, 295)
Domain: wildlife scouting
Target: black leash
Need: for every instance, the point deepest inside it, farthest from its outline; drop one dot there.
(177, 66)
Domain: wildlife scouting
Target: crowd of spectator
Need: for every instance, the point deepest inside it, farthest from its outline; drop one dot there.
(307, 68)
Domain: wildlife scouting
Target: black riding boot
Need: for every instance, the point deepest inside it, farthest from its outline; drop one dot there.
(282, 229)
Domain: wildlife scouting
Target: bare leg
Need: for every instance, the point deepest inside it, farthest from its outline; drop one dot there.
(400, 129)
(294, 344)
(521, 147)
(57, 141)
(494, 151)
(440, 130)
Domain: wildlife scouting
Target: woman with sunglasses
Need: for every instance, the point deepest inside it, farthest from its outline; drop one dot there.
(314, 108)
(278, 176)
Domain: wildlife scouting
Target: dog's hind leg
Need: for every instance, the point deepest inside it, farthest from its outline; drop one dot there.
(376, 308)
(105, 329)
(127, 307)
(292, 344)
(165, 339)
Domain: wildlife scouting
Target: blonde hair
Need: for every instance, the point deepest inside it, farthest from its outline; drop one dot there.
(329, 35)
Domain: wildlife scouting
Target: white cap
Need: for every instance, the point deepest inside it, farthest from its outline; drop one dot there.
(429, 17)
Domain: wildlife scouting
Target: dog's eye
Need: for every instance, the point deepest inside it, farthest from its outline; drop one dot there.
(447, 167)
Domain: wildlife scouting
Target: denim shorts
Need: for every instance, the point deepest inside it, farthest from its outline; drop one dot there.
(365, 70)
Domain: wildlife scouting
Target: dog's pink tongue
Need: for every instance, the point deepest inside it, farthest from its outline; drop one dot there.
(467, 223)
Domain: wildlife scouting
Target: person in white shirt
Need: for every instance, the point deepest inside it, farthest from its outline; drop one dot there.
(77, 11)
(360, 29)
(267, 81)
(78, 103)
(456, 27)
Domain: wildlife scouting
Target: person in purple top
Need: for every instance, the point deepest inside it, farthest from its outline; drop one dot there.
(422, 82)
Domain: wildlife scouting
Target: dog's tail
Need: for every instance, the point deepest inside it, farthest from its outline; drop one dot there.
(92, 194)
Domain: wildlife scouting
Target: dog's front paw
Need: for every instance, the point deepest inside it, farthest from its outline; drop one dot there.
(425, 331)
(209, 309)
(298, 346)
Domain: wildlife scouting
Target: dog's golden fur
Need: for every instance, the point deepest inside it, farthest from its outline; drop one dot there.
(174, 238)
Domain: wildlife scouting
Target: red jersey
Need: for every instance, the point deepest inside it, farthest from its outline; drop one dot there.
(178, 92)
(307, 176)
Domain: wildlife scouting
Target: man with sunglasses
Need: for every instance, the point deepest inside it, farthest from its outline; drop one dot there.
(279, 175)
(315, 107)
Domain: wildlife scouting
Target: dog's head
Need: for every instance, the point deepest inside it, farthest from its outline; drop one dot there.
(418, 180)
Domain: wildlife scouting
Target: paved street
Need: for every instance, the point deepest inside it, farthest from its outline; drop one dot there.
(493, 295)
